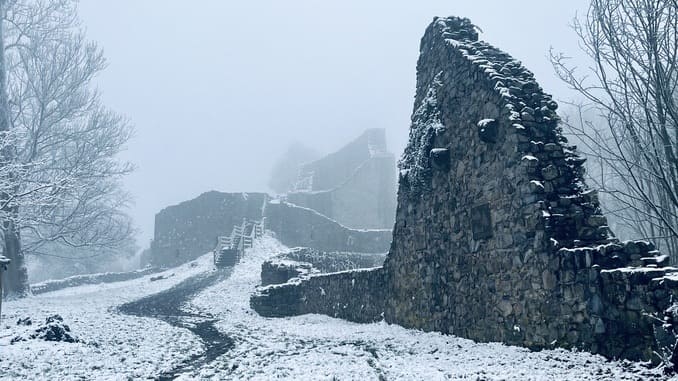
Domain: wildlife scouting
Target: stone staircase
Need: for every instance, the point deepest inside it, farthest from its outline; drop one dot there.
(230, 249)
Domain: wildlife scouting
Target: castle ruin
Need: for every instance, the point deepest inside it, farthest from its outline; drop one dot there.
(497, 237)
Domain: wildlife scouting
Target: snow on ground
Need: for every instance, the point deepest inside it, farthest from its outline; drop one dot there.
(310, 347)
(315, 347)
(116, 346)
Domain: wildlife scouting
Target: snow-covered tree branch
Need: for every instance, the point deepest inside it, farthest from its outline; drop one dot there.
(63, 179)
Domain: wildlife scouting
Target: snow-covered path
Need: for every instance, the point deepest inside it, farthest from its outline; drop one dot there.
(168, 306)
(311, 347)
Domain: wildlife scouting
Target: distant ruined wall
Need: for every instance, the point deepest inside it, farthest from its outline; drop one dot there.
(187, 230)
(497, 238)
(297, 226)
(355, 185)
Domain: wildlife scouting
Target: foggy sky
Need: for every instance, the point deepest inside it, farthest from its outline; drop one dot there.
(218, 89)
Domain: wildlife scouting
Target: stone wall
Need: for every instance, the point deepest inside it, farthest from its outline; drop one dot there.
(497, 237)
(297, 226)
(187, 230)
(79, 280)
(355, 185)
(304, 261)
(489, 193)
(352, 295)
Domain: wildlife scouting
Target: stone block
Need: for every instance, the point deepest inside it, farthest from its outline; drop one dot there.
(440, 159)
(481, 222)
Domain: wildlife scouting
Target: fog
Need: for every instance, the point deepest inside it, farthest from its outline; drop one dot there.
(217, 90)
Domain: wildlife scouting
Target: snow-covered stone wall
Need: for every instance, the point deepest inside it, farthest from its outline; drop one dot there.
(355, 185)
(497, 238)
(187, 230)
(304, 261)
(298, 226)
(340, 294)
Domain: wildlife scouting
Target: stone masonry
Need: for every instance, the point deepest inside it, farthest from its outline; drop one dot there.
(355, 185)
(190, 229)
(497, 238)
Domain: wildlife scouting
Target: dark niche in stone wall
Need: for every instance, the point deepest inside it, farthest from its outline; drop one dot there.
(481, 221)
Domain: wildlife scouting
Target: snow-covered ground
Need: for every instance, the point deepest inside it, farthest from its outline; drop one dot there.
(310, 347)
(116, 346)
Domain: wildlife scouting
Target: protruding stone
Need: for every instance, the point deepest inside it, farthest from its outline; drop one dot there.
(488, 129)
(596, 220)
(440, 159)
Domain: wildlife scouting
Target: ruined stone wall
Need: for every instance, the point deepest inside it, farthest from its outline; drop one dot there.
(469, 240)
(297, 226)
(340, 295)
(355, 185)
(304, 261)
(489, 194)
(187, 230)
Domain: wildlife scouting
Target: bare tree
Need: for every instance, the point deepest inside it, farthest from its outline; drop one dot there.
(65, 184)
(632, 87)
(16, 279)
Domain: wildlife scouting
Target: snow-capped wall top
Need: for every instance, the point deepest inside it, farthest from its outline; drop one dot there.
(464, 84)
(458, 28)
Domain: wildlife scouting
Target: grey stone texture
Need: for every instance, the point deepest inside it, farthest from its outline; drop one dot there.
(355, 185)
(505, 242)
(190, 229)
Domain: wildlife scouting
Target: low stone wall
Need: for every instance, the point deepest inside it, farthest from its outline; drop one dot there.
(80, 280)
(634, 301)
(356, 295)
(304, 261)
(298, 226)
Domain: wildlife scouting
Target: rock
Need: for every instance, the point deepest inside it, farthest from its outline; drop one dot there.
(596, 220)
(24, 321)
(599, 328)
(505, 308)
(440, 159)
(550, 172)
(549, 280)
(53, 329)
(488, 129)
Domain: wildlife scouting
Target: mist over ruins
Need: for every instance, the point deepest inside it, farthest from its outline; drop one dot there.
(516, 235)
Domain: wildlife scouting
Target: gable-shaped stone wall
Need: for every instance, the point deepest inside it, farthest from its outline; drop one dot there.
(489, 194)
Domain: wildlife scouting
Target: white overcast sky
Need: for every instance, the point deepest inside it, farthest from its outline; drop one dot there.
(218, 89)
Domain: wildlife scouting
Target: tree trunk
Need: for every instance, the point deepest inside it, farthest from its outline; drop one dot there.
(15, 281)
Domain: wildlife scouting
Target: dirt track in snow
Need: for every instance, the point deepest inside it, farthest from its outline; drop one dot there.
(167, 306)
